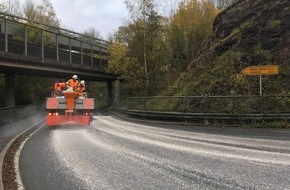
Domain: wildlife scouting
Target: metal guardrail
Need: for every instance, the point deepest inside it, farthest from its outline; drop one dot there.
(205, 116)
(10, 114)
(209, 107)
(25, 37)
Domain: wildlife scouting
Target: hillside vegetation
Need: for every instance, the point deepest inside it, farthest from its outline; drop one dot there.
(201, 49)
(151, 50)
(247, 33)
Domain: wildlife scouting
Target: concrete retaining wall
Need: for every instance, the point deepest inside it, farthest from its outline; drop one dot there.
(10, 114)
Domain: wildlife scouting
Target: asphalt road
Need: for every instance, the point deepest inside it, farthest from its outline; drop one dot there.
(116, 154)
(9, 131)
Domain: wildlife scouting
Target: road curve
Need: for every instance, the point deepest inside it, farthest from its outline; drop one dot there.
(116, 154)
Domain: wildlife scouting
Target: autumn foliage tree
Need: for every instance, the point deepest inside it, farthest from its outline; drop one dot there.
(43, 14)
(128, 69)
(190, 28)
(163, 46)
(10, 6)
(144, 39)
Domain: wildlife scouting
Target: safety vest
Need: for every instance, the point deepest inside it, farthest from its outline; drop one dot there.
(59, 86)
(73, 83)
(81, 89)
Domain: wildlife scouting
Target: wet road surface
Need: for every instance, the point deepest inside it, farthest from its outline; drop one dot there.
(116, 154)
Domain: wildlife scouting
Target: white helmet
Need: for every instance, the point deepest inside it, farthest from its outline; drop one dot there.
(75, 77)
(82, 82)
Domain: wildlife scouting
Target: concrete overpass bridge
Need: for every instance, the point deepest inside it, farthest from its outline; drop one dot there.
(34, 49)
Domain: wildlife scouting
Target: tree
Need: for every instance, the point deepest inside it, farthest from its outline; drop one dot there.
(164, 47)
(139, 11)
(43, 14)
(32, 89)
(146, 40)
(190, 28)
(161, 47)
(93, 32)
(127, 68)
(10, 6)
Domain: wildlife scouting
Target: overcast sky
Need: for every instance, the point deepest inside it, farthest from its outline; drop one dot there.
(104, 15)
(79, 15)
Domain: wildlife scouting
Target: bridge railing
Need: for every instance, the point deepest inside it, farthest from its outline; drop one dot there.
(46, 43)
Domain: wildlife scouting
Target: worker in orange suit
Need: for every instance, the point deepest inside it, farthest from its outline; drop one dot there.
(73, 83)
(58, 88)
(82, 89)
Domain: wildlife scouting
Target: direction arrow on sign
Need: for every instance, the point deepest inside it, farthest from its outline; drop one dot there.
(261, 70)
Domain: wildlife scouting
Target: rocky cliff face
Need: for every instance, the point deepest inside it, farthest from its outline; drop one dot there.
(249, 32)
(259, 29)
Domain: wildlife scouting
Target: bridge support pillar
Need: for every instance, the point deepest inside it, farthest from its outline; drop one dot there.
(113, 91)
(110, 97)
(116, 90)
(9, 90)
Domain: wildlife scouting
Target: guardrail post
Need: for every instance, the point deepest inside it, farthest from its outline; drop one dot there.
(261, 91)
(185, 104)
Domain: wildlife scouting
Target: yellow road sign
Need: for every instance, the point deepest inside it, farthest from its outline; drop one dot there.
(261, 70)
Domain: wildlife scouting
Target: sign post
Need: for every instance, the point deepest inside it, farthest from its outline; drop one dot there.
(261, 70)
(261, 93)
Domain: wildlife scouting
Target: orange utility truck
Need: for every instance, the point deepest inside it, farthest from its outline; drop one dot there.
(67, 108)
